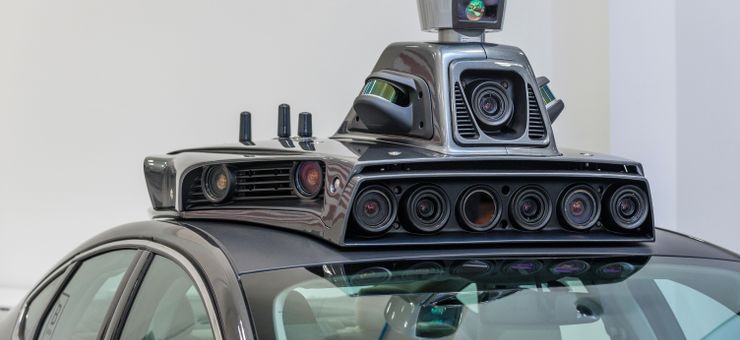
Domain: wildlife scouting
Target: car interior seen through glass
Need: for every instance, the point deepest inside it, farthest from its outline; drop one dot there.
(539, 299)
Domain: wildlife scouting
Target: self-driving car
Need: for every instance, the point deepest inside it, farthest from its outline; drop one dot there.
(442, 208)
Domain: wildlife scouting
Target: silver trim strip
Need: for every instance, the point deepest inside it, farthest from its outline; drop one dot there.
(513, 174)
(32, 294)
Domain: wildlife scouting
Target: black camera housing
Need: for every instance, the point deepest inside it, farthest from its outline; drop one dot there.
(511, 89)
(403, 163)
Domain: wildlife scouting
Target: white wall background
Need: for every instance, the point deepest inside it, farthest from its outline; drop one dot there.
(674, 82)
(708, 126)
(643, 120)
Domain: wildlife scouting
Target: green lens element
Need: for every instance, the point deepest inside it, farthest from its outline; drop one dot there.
(382, 89)
(547, 94)
(475, 10)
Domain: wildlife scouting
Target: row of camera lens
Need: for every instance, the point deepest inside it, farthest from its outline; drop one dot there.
(220, 181)
(431, 270)
(426, 210)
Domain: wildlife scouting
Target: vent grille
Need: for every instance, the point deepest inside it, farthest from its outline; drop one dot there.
(536, 123)
(254, 181)
(465, 126)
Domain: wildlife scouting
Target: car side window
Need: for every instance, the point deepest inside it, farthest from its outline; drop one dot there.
(167, 306)
(38, 305)
(79, 311)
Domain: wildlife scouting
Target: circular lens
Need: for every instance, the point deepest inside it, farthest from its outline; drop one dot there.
(309, 179)
(492, 105)
(572, 267)
(616, 270)
(524, 267)
(475, 10)
(427, 210)
(374, 210)
(628, 207)
(473, 268)
(531, 209)
(479, 209)
(217, 183)
(383, 89)
(422, 271)
(579, 208)
(370, 276)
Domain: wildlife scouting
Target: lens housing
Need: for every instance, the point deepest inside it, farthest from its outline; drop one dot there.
(524, 267)
(616, 270)
(479, 209)
(309, 179)
(628, 207)
(530, 209)
(571, 267)
(492, 105)
(473, 268)
(579, 208)
(218, 183)
(374, 210)
(427, 210)
(370, 276)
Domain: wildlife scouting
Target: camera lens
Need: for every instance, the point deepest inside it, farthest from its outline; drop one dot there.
(531, 209)
(370, 276)
(628, 207)
(579, 208)
(616, 270)
(217, 182)
(309, 179)
(427, 210)
(572, 267)
(525, 267)
(374, 210)
(479, 209)
(492, 105)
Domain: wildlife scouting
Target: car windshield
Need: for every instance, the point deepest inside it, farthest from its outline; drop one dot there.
(529, 298)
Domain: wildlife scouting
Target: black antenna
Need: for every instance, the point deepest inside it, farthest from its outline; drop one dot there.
(245, 128)
(305, 126)
(284, 121)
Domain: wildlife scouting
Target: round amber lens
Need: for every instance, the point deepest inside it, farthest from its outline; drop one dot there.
(222, 182)
(309, 178)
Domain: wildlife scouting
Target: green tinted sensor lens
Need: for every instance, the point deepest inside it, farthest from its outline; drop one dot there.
(475, 10)
(547, 94)
(382, 89)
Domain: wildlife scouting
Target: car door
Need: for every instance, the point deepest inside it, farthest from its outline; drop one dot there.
(81, 308)
(124, 289)
(167, 304)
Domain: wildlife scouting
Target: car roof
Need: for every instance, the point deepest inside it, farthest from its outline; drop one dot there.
(252, 248)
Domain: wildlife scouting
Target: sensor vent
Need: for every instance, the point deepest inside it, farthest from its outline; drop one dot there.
(261, 182)
(465, 126)
(537, 129)
(254, 182)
